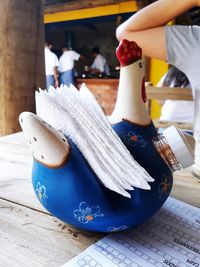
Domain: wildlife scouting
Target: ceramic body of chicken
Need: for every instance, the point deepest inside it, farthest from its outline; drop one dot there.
(73, 194)
(70, 189)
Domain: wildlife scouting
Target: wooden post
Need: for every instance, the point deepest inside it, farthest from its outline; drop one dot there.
(22, 59)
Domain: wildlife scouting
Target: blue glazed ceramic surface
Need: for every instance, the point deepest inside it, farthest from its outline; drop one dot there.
(73, 193)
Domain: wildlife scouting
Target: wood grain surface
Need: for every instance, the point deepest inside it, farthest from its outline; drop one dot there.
(31, 238)
(29, 235)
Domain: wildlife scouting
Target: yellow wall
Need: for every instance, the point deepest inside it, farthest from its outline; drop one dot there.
(120, 8)
(157, 70)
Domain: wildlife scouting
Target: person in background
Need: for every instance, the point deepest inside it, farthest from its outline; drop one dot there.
(100, 65)
(175, 110)
(66, 65)
(51, 66)
(177, 44)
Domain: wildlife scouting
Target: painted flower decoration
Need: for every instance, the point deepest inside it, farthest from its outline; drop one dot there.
(134, 140)
(87, 214)
(41, 192)
(116, 229)
(165, 186)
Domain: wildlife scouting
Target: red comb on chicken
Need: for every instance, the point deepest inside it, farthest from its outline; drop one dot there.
(128, 53)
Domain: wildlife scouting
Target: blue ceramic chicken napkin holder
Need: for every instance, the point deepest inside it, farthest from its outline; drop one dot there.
(68, 179)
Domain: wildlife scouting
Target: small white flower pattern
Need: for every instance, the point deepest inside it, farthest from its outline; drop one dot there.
(41, 193)
(116, 229)
(87, 214)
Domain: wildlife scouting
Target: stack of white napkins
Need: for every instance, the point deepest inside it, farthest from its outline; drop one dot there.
(78, 115)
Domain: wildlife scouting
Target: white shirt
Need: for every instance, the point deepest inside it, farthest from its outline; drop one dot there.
(100, 64)
(66, 61)
(51, 61)
(177, 110)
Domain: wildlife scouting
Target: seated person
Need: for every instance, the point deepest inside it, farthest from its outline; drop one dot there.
(176, 110)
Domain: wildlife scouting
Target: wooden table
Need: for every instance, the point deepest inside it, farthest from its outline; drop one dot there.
(29, 235)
